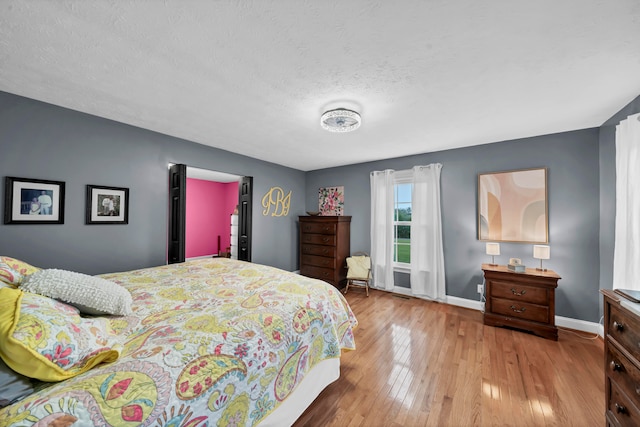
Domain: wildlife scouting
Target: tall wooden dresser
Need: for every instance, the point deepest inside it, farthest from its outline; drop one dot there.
(621, 361)
(324, 247)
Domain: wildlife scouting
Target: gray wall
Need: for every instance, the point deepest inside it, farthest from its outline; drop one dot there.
(572, 159)
(39, 140)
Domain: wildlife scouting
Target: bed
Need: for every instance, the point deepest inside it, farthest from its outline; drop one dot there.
(207, 342)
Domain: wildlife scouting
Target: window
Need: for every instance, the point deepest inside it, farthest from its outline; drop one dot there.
(402, 219)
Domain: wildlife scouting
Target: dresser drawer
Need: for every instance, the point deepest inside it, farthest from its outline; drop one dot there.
(318, 228)
(621, 370)
(625, 329)
(518, 292)
(620, 407)
(317, 272)
(318, 261)
(328, 251)
(319, 239)
(520, 310)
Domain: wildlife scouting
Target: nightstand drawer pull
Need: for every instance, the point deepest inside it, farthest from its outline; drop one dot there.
(615, 366)
(521, 293)
(521, 310)
(620, 409)
(618, 326)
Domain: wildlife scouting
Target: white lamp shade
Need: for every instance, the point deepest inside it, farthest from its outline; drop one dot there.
(493, 248)
(541, 252)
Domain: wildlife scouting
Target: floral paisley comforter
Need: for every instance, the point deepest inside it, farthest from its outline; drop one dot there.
(211, 342)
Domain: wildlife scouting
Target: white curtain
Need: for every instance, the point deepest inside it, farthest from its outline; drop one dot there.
(626, 256)
(427, 256)
(382, 203)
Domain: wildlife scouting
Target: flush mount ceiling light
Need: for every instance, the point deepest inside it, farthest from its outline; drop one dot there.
(340, 120)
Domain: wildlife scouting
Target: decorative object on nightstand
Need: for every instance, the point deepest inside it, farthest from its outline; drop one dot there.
(493, 249)
(541, 252)
(516, 265)
(523, 301)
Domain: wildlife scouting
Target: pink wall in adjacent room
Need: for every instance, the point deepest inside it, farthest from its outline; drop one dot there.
(209, 206)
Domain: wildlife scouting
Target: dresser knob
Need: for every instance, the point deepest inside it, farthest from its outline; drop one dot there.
(620, 409)
(615, 366)
(618, 326)
(518, 310)
(513, 291)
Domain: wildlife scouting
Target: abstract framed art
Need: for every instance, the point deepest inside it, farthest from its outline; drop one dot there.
(513, 206)
(33, 201)
(107, 205)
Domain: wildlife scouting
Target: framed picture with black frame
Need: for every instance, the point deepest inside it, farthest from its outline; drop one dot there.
(107, 205)
(33, 201)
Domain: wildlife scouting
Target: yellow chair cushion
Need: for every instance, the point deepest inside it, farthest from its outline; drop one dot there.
(48, 340)
(359, 267)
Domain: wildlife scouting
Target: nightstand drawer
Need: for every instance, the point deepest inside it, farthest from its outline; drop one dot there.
(317, 228)
(318, 261)
(519, 292)
(328, 251)
(621, 370)
(621, 408)
(319, 239)
(625, 329)
(520, 310)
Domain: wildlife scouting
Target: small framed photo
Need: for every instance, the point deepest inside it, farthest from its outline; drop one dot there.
(33, 201)
(107, 205)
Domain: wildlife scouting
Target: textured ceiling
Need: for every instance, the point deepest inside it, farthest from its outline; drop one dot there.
(253, 77)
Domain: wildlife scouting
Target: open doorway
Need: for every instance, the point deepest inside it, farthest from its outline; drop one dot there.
(209, 214)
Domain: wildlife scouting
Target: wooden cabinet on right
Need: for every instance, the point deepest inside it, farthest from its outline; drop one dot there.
(621, 361)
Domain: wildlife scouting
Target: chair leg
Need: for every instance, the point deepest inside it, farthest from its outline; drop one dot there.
(346, 289)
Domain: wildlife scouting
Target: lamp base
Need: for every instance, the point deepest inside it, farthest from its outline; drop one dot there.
(493, 265)
(541, 269)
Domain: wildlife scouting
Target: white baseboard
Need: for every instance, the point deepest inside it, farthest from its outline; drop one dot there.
(580, 325)
(564, 322)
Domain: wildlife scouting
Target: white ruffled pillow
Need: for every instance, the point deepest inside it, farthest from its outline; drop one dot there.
(90, 294)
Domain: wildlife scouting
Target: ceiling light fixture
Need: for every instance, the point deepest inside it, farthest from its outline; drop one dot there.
(340, 120)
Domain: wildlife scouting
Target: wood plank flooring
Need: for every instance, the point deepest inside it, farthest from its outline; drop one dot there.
(420, 363)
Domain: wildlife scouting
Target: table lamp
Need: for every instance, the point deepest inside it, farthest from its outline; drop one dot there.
(541, 252)
(493, 249)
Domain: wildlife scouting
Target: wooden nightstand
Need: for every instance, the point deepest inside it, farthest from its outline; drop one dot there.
(523, 301)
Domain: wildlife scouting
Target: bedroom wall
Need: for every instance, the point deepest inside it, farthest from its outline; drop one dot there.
(209, 206)
(39, 140)
(572, 159)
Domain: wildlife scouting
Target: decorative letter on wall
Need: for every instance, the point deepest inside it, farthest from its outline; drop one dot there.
(331, 201)
(512, 206)
(275, 197)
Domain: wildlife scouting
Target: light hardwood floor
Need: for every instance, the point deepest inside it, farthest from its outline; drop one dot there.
(420, 363)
